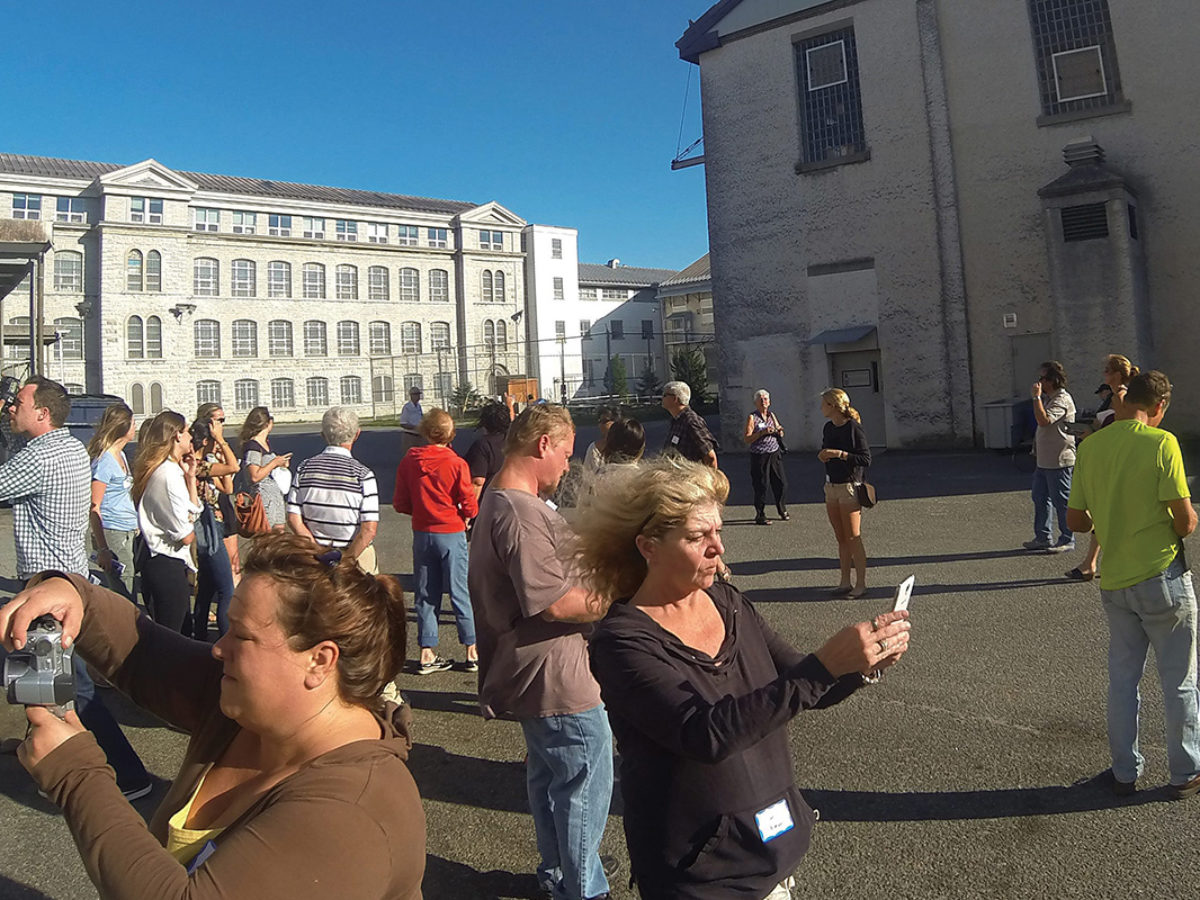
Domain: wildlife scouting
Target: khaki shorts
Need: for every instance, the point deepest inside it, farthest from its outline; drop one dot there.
(842, 495)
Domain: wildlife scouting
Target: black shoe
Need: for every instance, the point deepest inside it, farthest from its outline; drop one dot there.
(762, 520)
(783, 514)
(1107, 779)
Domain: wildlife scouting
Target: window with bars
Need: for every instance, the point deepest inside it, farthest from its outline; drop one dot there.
(242, 277)
(135, 347)
(351, 388)
(439, 336)
(410, 337)
(314, 281)
(347, 338)
(501, 336)
(245, 394)
(279, 279)
(377, 283)
(208, 391)
(489, 334)
(206, 277)
(347, 282)
(317, 389)
(443, 383)
(410, 286)
(154, 347)
(283, 393)
(830, 98)
(413, 380)
(315, 340)
(382, 390)
(68, 271)
(154, 271)
(379, 339)
(279, 337)
(1076, 56)
(206, 334)
(134, 271)
(439, 286)
(244, 335)
(69, 332)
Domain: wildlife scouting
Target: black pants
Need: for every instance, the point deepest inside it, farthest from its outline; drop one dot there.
(764, 466)
(167, 592)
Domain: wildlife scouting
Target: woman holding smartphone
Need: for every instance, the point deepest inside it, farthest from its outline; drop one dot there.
(215, 467)
(258, 462)
(845, 452)
(168, 502)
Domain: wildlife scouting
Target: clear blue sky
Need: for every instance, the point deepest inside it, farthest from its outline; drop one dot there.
(567, 113)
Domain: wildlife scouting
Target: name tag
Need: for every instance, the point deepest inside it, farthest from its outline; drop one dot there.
(675, 439)
(775, 820)
(206, 851)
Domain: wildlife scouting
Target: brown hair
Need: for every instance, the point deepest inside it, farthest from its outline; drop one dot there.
(840, 400)
(113, 425)
(51, 396)
(1054, 373)
(256, 420)
(206, 410)
(323, 598)
(1118, 364)
(540, 418)
(437, 427)
(625, 442)
(154, 449)
(1147, 390)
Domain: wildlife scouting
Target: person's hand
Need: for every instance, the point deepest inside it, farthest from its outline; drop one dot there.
(54, 596)
(283, 460)
(104, 558)
(1036, 391)
(188, 464)
(826, 455)
(217, 429)
(47, 732)
(867, 646)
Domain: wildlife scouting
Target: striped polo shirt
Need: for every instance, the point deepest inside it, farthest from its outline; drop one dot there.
(334, 493)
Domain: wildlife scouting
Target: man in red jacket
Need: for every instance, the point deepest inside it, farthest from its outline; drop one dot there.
(433, 485)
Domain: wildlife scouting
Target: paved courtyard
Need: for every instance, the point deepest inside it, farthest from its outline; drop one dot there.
(952, 778)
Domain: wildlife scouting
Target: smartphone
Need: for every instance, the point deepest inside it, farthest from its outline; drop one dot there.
(903, 593)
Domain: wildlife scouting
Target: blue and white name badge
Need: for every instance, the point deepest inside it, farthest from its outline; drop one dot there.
(774, 820)
(206, 851)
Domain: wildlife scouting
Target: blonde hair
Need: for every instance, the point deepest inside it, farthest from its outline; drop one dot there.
(437, 427)
(840, 400)
(648, 499)
(154, 449)
(540, 418)
(1121, 365)
(114, 425)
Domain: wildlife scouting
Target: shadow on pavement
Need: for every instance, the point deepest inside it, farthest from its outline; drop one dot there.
(824, 594)
(878, 806)
(444, 878)
(444, 701)
(14, 890)
(468, 781)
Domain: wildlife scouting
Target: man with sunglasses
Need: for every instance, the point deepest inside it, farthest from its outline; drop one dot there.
(1054, 449)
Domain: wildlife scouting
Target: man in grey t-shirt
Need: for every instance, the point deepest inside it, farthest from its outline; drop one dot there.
(1054, 448)
(532, 621)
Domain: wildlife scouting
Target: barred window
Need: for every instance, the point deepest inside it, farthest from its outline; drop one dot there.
(208, 391)
(134, 338)
(133, 271)
(1076, 56)
(154, 271)
(377, 283)
(245, 394)
(245, 338)
(243, 274)
(382, 390)
(207, 338)
(154, 349)
(347, 338)
(283, 393)
(206, 277)
(410, 337)
(68, 271)
(317, 389)
(314, 281)
(279, 337)
(501, 335)
(279, 279)
(347, 282)
(830, 98)
(379, 339)
(351, 386)
(69, 331)
(315, 343)
(410, 286)
(439, 286)
(439, 335)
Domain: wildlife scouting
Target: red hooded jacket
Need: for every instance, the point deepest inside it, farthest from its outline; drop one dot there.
(433, 485)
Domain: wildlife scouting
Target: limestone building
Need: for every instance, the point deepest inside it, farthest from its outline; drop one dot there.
(174, 288)
(687, 310)
(920, 200)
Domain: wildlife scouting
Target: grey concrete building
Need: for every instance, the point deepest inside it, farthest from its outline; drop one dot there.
(920, 200)
(687, 310)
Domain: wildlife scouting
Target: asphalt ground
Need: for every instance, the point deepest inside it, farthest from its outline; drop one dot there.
(953, 778)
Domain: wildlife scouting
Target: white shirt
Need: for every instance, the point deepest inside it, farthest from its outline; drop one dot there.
(166, 514)
(411, 414)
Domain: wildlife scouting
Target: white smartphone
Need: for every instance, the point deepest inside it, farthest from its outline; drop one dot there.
(903, 593)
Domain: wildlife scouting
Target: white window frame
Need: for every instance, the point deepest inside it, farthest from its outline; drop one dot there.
(279, 278)
(244, 339)
(439, 293)
(841, 45)
(348, 341)
(74, 212)
(316, 391)
(153, 333)
(437, 237)
(346, 230)
(135, 339)
(206, 339)
(379, 338)
(410, 285)
(279, 338)
(377, 283)
(208, 390)
(243, 278)
(382, 388)
(377, 232)
(30, 209)
(439, 336)
(443, 384)
(408, 235)
(350, 389)
(68, 272)
(244, 222)
(560, 331)
(283, 393)
(559, 291)
(316, 338)
(206, 284)
(279, 225)
(556, 248)
(312, 282)
(205, 218)
(153, 271)
(1093, 48)
(69, 332)
(148, 210)
(487, 240)
(346, 282)
(410, 338)
(314, 227)
(245, 394)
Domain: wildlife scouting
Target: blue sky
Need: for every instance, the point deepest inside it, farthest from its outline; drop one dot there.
(568, 113)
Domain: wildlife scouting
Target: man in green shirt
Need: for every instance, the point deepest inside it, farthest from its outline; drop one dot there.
(1130, 484)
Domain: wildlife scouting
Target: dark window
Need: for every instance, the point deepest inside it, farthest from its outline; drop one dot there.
(647, 329)
(1076, 55)
(1085, 223)
(830, 100)
(617, 330)
(1133, 229)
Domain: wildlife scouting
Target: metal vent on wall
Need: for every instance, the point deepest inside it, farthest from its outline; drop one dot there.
(1085, 223)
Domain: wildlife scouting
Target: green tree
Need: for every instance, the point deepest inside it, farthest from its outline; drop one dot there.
(649, 385)
(689, 366)
(616, 379)
(464, 398)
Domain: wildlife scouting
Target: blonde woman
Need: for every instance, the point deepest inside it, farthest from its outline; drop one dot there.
(1118, 370)
(113, 517)
(845, 452)
(168, 503)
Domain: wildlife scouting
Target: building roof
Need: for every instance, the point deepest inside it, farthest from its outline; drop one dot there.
(49, 167)
(697, 272)
(701, 34)
(624, 276)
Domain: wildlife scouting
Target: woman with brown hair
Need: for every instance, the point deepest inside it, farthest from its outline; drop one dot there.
(216, 465)
(113, 516)
(168, 502)
(845, 452)
(259, 462)
(294, 778)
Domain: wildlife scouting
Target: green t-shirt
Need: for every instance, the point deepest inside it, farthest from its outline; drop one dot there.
(1124, 476)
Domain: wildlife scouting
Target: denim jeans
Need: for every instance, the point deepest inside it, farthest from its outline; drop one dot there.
(440, 564)
(569, 777)
(214, 581)
(1051, 488)
(1158, 612)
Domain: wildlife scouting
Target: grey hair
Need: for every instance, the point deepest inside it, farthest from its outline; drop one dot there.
(680, 390)
(762, 392)
(339, 425)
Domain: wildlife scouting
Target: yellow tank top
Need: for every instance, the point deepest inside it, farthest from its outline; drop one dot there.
(185, 843)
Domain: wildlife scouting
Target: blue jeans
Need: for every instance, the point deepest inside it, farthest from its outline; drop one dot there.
(1158, 612)
(569, 777)
(1051, 488)
(439, 564)
(214, 581)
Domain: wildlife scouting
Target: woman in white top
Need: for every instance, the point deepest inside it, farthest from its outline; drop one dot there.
(113, 517)
(164, 488)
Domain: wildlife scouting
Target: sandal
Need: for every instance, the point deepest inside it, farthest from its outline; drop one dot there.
(1077, 574)
(842, 590)
(857, 592)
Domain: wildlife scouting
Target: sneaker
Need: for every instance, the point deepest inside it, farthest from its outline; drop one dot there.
(762, 520)
(1183, 791)
(470, 665)
(1037, 544)
(1062, 548)
(437, 664)
(137, 793)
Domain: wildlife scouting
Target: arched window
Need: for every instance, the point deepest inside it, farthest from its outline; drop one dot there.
(243, 278)
(133, 271)
(154, 338)
(439, 286)
(382, 390)
(245, 394)
(347, 338)
(137, 399)
(410, 337)
(245, 337)
(489, 334)
(377, 283)
(279, 279)
(206, 277)
(154, 271)
(283, 393)
(410, 286)
(439, 336)
(351, 386)
(501, 335)
(69, 332)
(208, 391)
(134, 343)
(318, 391)
(347, 282)
(486, 295)
(68, 271)
(379, 339)
(279, 337)
(156, 398)
(498, 287)
(207, 334)
(315, 341)
(314, 281)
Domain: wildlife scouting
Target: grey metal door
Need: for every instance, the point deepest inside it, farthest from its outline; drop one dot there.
(857, 373)
(1028, 352)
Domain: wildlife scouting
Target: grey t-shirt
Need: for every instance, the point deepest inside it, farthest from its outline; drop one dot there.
(528, 667)
(1054, 447)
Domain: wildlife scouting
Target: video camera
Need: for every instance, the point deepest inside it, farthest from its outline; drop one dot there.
(42, 673)
(9, 387)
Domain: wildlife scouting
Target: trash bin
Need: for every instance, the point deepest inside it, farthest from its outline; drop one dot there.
(998, 424)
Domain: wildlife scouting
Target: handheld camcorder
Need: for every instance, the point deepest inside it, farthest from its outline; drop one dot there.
(42, 673)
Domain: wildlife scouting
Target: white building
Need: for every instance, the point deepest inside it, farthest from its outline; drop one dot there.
(175, 288)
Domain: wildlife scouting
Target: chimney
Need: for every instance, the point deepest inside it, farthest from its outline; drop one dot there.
(1083, 151)
(613, 263)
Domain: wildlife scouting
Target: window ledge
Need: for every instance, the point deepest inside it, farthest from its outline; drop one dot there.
(862, 156)
(1115, 109)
